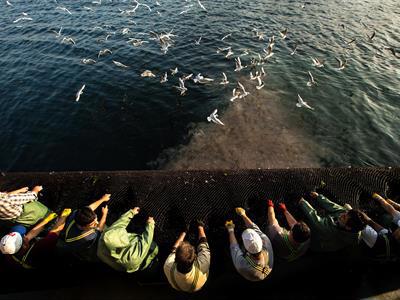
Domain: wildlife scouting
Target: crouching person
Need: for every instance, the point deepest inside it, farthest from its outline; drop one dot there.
(256, 262)
(186, 271)
(22, 206)
(33, 252)
(128, 252)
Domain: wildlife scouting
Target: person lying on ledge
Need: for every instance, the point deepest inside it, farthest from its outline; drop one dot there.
(22, 206)
(186, 271)
(393, 210)
(256, 262)
(339, 228)
(125, 251)
(83, 231)
(34, 252)
(287, 244)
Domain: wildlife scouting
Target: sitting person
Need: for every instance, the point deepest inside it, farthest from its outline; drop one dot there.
(186, 271)
(125, 251)
(287, 244)
(36, 252)
(393, 210)
(256, 262)
(12, 242)
(338, 229)
(83, 231)
(21, 206)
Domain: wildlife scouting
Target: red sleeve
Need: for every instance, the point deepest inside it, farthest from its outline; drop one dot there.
(44, 247)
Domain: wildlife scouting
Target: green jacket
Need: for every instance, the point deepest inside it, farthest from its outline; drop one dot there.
(326, 235)
(125, 251)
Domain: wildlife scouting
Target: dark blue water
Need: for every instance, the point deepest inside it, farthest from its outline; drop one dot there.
(124, 121)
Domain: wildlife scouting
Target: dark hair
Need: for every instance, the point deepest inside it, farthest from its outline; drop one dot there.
(184, 257)
(84, 216)
(301, 232)
(355, 220)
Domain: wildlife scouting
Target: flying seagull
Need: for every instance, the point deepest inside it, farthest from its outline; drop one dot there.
(260, 83)
(311, 80)
(342, 64)
(164, 78)
(181, 87)
(224, 80)
(316, 62)
(214, 118)
(79, 93)
(118, 64)
(147, 73)
(283, 33)
(104, 52)
(302, 103)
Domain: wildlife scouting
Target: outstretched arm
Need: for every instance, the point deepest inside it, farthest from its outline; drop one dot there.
(327, 204)
(271, 213)
(97, 203)
(385, 204)
(34, 232)
(179, 240)
(19, 191)
(289, 218)
(394, 204)
(103, 219)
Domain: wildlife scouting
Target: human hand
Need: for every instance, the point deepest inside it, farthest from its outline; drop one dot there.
(230, 226)
(270, 203)
(314, 195)
(66, 212)
(366, 218)
(150, 220)
(50, 217)
(104, 210)
(106, 197)
(240, 211)
(23, 190)
(376, 196)
(282, 207)
(135, 210)
(37, 189)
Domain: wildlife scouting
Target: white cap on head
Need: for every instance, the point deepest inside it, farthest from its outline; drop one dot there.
(11, 243)
(252, 241)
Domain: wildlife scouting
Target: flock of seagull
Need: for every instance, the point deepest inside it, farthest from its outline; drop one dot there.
(166, 40)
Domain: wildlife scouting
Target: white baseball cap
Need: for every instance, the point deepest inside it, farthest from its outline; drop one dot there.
(11, 243)
(252, 241)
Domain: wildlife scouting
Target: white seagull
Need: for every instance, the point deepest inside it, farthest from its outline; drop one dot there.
(197, 42)
(164, 78)
(342, 64)
(88, 61)
(104, 52)
(302, 103)
(226, 36)
(79, 93)
(235, 95)
(214, 118)
(224, 80)
(63, 8)
(181, 87)
(147, 73)
(118, 64)
(316, 62)
(238, 64)
(260, 83)
(283, 33)
(244, 92)
(174, 71)
(311, 80)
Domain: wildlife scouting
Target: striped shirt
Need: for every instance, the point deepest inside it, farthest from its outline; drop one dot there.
(12, 205)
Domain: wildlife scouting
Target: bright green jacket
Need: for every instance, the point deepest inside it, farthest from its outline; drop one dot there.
(326, 234)
(125, 251)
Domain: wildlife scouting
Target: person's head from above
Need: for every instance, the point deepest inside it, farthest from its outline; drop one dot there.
(86, 218)
(11, 243)
(252, 242)
(300, 232)
(352, 220)
(184, 257)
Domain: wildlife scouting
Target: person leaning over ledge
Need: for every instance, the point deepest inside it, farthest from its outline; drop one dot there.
(83, 231)
(338, 229)
(257, 261)
(287, 244)
(38, 252)
(21, 206)
(125, 251)
(186, 271)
